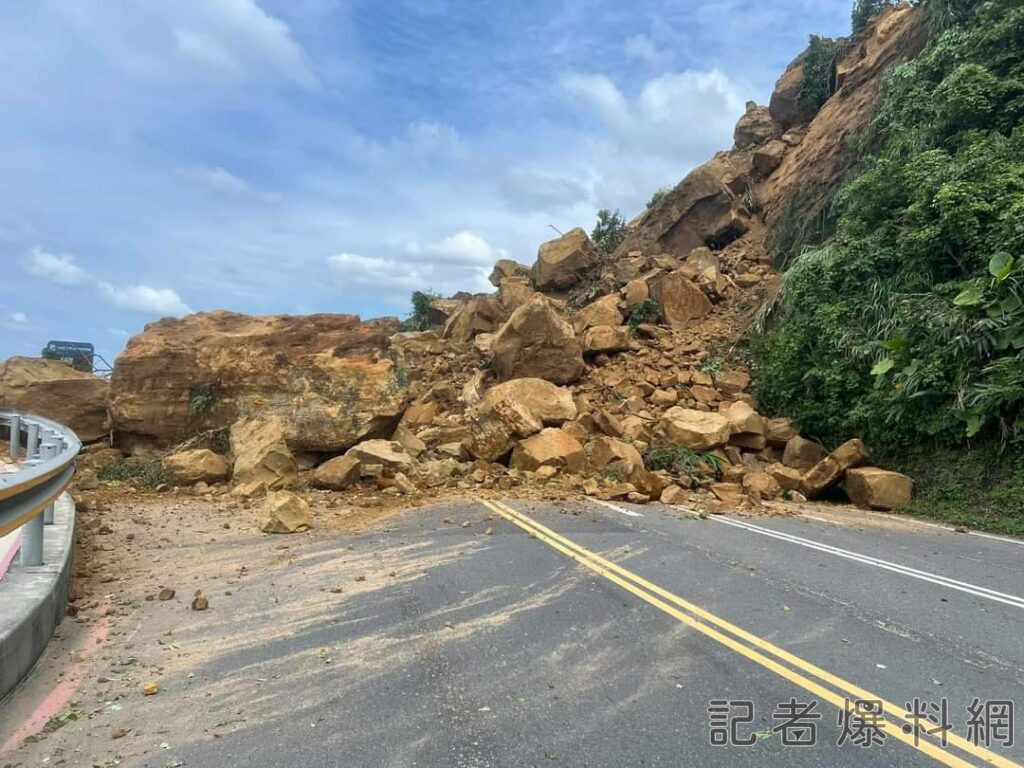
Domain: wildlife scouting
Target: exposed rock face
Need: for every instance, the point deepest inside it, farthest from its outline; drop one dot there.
(821, 162)
(877, 488)
(262, 458)
(699, 430)
(284, 512)
(561, 262)
(756, 127)
(549, 448)
(480, 315)
(329, 378)
(767, 158)
(551, 404)
(537, 343)
(337, 474)
(514, 292)
(51, 389)
(197, 465)
(701, 209)
(681, 300)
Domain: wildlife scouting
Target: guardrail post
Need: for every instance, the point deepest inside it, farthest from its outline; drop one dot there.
(15, 435)
(32, 542)
(48, 451)
(32, 441)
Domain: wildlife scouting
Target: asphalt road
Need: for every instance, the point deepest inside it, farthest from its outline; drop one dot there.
(583, 634)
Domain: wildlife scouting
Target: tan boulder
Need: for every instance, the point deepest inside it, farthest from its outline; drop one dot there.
(681, 300)
(743, 419)
(764, 485)
(830, 469)
(785, 107)
(562, 262)
(388, 453)
(338, 473)
(700, 430)
(607, 339)
(552, 404)
(779, 431)
(732, 382)
(284, 512)
(262, 458)
(730, 494)
(877, 488)
(664, 397)
(603, 311)
(514, 292)
(636, 292)
(505, 269)
(330, 379)
(490, 439)
(199, 465)
(607, 423)
(412, 444)
(420, 414)
(788, 478)
(801, 453)
(673, 494)
(755, 127)
(606, 453)
(55, 390)
(549, 448)
(769, 157)
(480, 315)
(537, 343)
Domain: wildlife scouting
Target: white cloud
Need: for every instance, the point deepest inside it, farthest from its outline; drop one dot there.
(599, 92)
(119, 332)
(241, 38)
(463, 247)
(143, 298)
(216, 179)
(14, 321)
(374, 271)
(57, 268)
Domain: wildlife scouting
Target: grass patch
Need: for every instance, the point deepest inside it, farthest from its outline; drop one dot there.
(682, 461)
(980, 487)
(139, 472)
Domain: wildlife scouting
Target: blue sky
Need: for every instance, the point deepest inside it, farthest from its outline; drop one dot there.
(303, 156)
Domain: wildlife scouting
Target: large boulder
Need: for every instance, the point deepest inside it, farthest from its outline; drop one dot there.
(195, 466)
(514, 292)
(505, 269)
(830, 469)
(801, 453)
(480, 315)
(551, 404)
(607, 339)
(338, 473)
(284, 512)
(784, 107)
(330, 379)
(757, 126)
(262, 458)
(537, 343)
(549, 448)
(388, 453)
(606, 454)
(562, 262)
(700, 430)
(681, 300)
(703, 209)
(55, 390)
(602, 311)
(877, 488)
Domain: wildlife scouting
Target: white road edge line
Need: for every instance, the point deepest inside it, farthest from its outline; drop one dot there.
(934, 578)
(617, 508)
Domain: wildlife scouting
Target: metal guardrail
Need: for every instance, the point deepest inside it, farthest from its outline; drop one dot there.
(27, 496)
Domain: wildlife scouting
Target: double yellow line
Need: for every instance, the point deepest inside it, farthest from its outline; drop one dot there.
(799, 672)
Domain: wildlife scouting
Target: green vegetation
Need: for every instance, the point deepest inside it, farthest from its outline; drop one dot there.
(863, 10)
(139, 472)
(712, 366)
(203, 397)
(418, 320)
(683, 461)
(658, 196)
(907, 327)
(609, 231)
(647, 311)
(818, 78)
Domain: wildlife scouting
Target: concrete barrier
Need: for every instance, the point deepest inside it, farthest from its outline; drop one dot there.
(33, 599)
